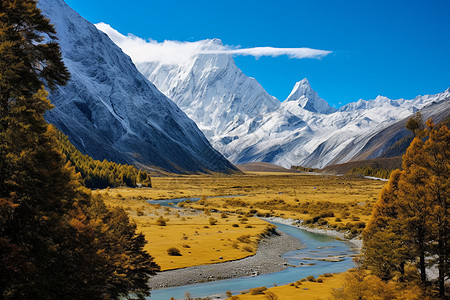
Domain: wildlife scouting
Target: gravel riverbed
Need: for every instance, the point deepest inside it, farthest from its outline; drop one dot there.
(266, 260)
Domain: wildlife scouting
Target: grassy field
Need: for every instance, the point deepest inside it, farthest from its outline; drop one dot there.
(201, 238)
(303, 289)
(225, 228)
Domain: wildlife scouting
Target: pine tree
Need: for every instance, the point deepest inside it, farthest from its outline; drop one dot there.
(50, 226)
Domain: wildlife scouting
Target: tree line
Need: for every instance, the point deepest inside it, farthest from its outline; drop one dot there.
(101, 174)
(56, 240)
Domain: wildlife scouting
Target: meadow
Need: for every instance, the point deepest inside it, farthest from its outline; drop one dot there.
(223, 229)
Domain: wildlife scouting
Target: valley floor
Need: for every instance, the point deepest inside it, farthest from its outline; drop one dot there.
(216, 230)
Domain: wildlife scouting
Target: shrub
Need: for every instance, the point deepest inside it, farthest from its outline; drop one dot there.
(172, 251)
(235, 225)
(258, 290)
(245, 238)
(327, 275)
(247, 248)
(212, 221)
(271, 296)
(319, 280)
(248, 226)
(223, 215)
(161, 221)
(311, 278)
(338, 220)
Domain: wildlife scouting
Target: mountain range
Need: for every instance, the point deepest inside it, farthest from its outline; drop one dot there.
(246, 124)
(199, 115)
(110, 111)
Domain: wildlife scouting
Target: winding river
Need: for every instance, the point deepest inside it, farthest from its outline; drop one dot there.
(317, 248)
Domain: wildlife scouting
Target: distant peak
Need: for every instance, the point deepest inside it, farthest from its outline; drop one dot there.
(216, 41)
(303, 81)
(308, 98)
(301, 88)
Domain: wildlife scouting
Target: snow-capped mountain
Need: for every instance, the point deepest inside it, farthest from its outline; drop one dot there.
(295, 136)
(211, 90)
(308, 99)
(111, 111)
(246, 124)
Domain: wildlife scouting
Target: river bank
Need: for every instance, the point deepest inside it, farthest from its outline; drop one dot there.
(355, 241)
(266, 260)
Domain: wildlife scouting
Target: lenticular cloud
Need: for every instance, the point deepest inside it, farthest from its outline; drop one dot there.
(176, 52)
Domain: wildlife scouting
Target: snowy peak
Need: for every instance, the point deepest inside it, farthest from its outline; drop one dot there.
(211, 89)
(111, 111)
(308, 99)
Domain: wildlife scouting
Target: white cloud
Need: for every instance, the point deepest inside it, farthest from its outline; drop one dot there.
(176, 52)
(257, 52)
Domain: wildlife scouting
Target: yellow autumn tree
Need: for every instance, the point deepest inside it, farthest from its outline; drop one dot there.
(410, 222)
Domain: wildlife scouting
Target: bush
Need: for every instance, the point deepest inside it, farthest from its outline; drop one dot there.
(235, 225)
(258, 290)
(212, 221)
(271, 296)
(319, 280)
(247, 248)
(245, 238)
(223, 215)
(310, 278)
(173, 251)
(161, 221)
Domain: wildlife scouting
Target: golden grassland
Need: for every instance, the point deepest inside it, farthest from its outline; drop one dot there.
(340, 202)
(232, 237)
(303, 289)
(336, 202)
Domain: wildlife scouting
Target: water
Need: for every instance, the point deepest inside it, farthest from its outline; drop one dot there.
(174, 202)
(317, 246)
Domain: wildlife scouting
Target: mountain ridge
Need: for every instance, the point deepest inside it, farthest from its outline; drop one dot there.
(302, 130)
(110, 111)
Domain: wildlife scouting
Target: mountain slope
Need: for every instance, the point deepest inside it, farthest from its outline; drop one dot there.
(308, 99)
(246, 124)
(211, 90)
(110, 111)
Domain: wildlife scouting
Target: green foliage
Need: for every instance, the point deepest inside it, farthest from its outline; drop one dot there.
(372, 171)
(101, 174)
(56, 241)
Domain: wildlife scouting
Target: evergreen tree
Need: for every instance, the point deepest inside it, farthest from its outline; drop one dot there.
(56, 242)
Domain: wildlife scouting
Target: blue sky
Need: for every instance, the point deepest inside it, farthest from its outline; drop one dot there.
(397, 49)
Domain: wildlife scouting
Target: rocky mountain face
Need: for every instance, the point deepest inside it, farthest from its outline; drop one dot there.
(111, 111)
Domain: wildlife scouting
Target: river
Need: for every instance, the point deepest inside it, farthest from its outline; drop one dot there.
(317, 247)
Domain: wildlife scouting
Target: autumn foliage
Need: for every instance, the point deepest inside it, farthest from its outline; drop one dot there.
(410, 222)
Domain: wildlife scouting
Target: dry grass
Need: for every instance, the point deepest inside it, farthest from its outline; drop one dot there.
(305, 290)
(199, 242)
(297, 196)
